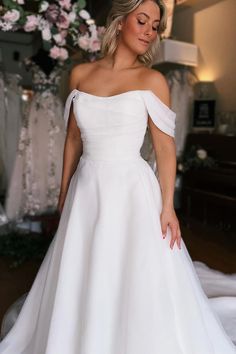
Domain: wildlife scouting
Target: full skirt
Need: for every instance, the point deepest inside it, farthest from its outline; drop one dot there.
(110, 284)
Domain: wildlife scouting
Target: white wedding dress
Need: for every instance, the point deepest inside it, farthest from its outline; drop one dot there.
(110, 284)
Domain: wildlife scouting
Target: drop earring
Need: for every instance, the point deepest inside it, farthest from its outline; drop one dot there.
(118, 30)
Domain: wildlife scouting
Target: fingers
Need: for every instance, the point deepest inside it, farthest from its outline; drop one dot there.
(173, 223)
(179, 239)
(164, 230)
(175, 236)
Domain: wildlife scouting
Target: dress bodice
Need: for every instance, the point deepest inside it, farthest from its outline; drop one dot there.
(42, 82)
(113, 127)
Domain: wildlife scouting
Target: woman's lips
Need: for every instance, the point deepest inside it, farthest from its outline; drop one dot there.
(143, 41)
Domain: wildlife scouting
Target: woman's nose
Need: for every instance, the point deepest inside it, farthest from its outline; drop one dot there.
(148, 30)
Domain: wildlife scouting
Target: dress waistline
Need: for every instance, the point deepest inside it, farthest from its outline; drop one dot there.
(111, 159)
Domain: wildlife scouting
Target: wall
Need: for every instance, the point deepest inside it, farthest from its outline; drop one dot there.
(213, 29)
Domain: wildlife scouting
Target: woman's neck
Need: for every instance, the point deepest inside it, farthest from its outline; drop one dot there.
(122, 59)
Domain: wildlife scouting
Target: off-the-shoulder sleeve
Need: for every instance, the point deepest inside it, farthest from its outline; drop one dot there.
(69, 100)
(162, 116)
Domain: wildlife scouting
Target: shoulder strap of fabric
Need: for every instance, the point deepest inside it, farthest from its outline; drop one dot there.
(69, 99)
(162, 116)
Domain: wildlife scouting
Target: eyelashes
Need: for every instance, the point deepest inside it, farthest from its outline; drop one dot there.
(143, 23)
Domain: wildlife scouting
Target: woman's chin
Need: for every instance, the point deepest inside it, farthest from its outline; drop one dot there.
(141, 52)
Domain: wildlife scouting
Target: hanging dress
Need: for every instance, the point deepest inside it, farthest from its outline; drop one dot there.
(36, 177)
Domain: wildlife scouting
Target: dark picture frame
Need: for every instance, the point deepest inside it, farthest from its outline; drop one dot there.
(204, 114)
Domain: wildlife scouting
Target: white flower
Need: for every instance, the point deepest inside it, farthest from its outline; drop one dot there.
(180, 167)
(20, 2)
(201, 154)
(72, 16)
(42, 23)
(6, 26)
(12, 16)
(90, 21)
(93, 30)
(46, 34)
(59, 39)
(84, 14)
(43, 6)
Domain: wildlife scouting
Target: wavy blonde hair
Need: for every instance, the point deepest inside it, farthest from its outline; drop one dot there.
(120, 9)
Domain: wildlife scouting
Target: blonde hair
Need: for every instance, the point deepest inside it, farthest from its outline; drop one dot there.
(120, 9)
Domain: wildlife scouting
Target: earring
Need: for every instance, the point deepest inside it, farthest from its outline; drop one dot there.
(117, 32)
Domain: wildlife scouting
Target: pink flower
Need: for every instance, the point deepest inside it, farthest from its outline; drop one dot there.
(52, 13)
(58, 53)
(101, 30)
(54, 52)
(95, 45)
(84, 42)
(31, 23)
(66, 4)
(63, 20)
(63, 54)
(63, 33)
(12, 16)
(46, 34)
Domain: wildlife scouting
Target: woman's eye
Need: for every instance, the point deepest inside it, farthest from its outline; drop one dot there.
(141, 23)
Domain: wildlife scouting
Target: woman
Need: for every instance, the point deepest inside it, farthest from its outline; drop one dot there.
(109, 283)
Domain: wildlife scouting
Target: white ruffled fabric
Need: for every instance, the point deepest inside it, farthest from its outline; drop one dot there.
(110, 283)
(162, 115)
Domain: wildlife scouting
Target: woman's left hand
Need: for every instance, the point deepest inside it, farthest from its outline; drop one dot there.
(168, 218)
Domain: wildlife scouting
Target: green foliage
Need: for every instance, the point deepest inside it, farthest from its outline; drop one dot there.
(82, 4)
(10, 4)
(47, 45)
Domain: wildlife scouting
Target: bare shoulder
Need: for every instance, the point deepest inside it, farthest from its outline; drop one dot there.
(156, 82)
(79, 72)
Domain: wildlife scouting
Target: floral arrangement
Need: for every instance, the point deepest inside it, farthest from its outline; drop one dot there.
(65, 25)
(196, 157)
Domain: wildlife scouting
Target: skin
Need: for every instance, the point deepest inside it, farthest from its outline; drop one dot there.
(120, 73)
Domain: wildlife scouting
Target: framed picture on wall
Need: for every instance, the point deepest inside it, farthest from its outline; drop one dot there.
(204, 114)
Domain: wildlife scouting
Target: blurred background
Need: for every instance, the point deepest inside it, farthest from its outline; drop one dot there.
(198, 58)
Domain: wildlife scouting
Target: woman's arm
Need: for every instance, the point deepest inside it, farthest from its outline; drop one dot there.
(165, 153)
(73, 146)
